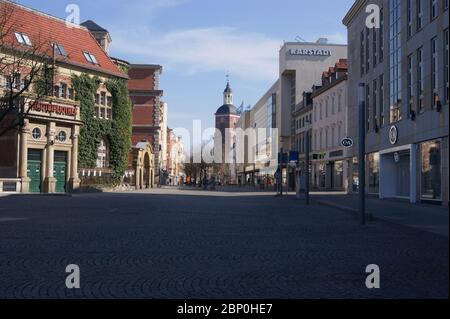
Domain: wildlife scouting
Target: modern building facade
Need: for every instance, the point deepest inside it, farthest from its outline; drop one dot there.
(259, 161)
(330, 164)
(404, 66)
(43, 155)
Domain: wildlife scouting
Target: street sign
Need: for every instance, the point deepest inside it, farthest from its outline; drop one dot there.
(347, 142)
(293, 156)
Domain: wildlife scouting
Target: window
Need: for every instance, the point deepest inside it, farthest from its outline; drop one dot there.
(63, 91)
(361, 53)
(339, 102)
(70, 94)
(320, 110)
(326, 138)
(97, 99)
(395, 72)
(410, 85)
(22, 38)
(420, 83)
(102, 113)
(431, 170)
(434, 72)
(13, 81)
(333, 136)
(368, 107)
(59, 49)
(109, 101)
(367, 49)
(374, 104)
(381, 37)
(61, 137)
(409, 17)
(419, 14)
(321, 139)
(374, 173)
(433, 9)
(374, 47)
(326, 108)
(102, 154)
(36, 133)
(339, 133)
(103, 98)
(90, 57)
(446, 57)
(381, 100)
(333, 110)
(56, 91)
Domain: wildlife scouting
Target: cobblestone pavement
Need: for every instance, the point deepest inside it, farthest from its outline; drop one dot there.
(175, 244)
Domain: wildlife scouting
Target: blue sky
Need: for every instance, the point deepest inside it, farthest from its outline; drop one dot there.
(198, 41)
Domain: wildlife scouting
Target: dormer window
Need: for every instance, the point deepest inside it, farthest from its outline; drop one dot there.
(59, 49)
(90, 57)
(22, 38)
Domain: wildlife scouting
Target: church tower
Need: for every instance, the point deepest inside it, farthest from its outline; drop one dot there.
(226, 118)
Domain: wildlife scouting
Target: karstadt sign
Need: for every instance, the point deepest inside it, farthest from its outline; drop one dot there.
(310, 52)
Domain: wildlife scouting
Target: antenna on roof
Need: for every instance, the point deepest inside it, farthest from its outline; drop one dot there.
(299, 39)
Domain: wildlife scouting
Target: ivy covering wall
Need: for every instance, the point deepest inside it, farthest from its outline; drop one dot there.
(93, 130)
(120, 135)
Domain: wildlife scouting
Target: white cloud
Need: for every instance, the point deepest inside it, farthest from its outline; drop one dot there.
(248, 55)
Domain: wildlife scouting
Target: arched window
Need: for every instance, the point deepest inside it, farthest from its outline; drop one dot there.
(102, 154)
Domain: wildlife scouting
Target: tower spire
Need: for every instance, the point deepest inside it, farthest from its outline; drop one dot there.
(228, 93)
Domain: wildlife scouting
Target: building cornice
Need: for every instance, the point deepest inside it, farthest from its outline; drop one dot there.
(329, 86)
(356, 7)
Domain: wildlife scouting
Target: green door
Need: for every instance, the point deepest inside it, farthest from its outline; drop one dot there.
(60, 171)
(34, 170)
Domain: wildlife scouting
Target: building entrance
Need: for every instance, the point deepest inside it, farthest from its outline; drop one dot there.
(34, 170)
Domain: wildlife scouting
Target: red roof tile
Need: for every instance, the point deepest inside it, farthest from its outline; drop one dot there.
(43, 30)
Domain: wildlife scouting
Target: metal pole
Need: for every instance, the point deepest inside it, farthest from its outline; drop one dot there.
(280, 180)
(307, 166)
(362, 152)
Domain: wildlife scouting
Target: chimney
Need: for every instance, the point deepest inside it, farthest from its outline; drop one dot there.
(100, 34)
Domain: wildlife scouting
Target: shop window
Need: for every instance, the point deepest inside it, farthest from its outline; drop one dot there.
(431, 170)
(374, 173)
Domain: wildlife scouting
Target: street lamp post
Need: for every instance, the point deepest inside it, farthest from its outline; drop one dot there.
(362, 152)
(307, 151)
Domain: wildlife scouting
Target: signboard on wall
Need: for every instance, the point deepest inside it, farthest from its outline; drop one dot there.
(310, 52)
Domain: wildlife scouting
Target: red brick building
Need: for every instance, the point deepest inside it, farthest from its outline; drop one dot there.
(146, 98)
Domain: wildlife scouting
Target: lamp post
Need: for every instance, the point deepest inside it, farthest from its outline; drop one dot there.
(307, 151)
(362, 152)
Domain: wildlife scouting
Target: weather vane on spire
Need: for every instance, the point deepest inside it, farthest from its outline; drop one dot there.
(228, 76)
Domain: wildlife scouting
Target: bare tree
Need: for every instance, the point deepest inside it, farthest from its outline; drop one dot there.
(26, 71)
